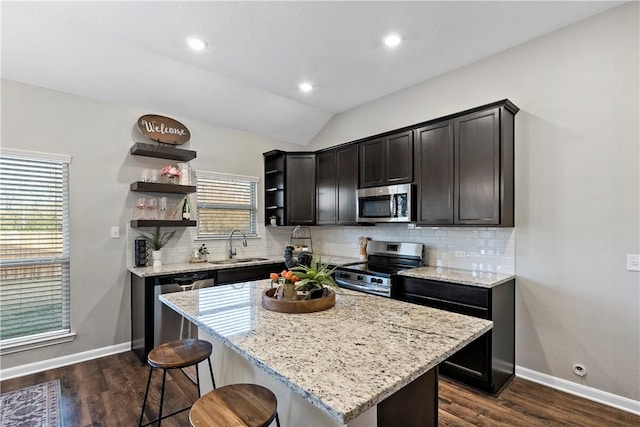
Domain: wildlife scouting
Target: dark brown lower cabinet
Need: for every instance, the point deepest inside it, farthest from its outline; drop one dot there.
(488, 363)
(144, 291)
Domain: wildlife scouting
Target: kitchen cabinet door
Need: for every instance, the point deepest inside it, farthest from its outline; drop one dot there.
(399, 158)
(326, 188)
(346, 184)
(372, 163)
(477, 172)
(301, 189)
(434, 173)
(336, 185)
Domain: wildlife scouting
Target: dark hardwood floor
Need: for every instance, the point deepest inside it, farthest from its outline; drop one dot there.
(109, 392)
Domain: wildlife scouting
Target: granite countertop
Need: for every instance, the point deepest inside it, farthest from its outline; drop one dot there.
(345, 359)
(483, 279)
(188, 267)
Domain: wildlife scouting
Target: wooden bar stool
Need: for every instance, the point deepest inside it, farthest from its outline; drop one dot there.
(176, 355)
(246, 405)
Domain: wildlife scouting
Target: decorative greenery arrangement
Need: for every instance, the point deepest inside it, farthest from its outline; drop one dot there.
(316, 276)
(158, 240)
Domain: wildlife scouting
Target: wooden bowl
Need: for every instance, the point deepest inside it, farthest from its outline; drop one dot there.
(269, 302)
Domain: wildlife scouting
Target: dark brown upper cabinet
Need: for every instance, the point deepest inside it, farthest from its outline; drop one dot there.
(464, 168)
(300, 189)
(484, 167)
(289, 188)
(336, 185)
(386, 160)
(434, 173)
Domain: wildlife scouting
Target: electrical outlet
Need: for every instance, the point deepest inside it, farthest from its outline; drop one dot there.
(411, 226)
(633, 262)
(579, 370)
(461, 254)
(115, 232)
(182, 250)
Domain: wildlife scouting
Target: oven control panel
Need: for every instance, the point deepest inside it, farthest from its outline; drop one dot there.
(364, 282)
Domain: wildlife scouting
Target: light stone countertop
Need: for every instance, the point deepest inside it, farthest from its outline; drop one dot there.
(343, 360)
(482, 279)
(207, 266)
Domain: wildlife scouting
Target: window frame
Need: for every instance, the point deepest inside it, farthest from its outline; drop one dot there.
(254, 210)
(65, 334)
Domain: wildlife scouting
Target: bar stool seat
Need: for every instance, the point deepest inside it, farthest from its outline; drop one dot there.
(175, 355)
(235, 405)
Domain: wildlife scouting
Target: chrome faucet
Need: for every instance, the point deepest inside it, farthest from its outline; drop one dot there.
(232, 251)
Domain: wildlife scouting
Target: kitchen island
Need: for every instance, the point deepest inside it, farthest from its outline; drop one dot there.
(367, 361)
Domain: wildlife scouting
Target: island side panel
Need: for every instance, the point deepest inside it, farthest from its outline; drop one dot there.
(414, 405)
(294, 411)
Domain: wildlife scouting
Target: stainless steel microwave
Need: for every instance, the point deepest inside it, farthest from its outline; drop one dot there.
(393, 203)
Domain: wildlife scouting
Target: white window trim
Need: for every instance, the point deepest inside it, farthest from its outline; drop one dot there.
(36, 341)
(54, 337)
(35, 155)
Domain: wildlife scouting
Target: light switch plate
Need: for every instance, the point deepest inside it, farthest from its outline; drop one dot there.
(633, 262)
(115, 232)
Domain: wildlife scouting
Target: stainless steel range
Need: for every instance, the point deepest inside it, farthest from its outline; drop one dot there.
(384, 260)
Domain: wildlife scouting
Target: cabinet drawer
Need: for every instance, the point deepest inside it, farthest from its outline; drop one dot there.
(419, 287)
(461, 294)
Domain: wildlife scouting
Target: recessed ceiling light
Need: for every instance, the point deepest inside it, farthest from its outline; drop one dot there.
(305, 86)
(392, 40)
(196, 44)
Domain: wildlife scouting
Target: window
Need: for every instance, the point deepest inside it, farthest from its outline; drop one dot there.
(225, 203)
(34, 252)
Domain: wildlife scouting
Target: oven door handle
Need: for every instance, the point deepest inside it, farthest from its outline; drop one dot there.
(392, 206)
(350, 285)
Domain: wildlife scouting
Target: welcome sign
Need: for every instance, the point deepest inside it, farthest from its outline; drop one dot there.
(163, 129)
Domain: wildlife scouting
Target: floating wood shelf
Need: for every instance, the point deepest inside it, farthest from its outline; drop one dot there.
(140, 223)
(157, 187)
(162, 152)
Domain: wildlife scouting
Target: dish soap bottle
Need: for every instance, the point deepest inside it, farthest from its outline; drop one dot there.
(186, 210)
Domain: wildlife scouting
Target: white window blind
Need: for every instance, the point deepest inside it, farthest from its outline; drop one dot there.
(34, 253)
(225, 203)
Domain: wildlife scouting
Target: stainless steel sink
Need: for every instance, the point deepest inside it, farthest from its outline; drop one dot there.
(237, 260)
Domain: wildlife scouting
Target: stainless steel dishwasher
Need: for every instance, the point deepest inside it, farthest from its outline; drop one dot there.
(168, 324)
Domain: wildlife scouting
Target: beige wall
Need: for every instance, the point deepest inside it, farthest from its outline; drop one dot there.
(99, 135)
(577, 188)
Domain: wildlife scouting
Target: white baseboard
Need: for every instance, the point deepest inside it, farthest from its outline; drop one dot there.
(32, 368)
(606, 398)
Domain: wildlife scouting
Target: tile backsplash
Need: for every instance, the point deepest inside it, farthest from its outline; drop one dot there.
(480, 249)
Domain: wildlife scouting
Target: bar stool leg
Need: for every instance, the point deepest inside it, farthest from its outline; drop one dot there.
(164, 377)
(198, 381)
(185, 288)
(277, 420)
(146, 393)
(211, 371)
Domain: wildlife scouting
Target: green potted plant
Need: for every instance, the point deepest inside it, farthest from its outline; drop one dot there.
(315, 278)
(203, 252)
(157, 241)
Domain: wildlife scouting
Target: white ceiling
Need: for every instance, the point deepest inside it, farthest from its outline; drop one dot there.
(134, 53)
